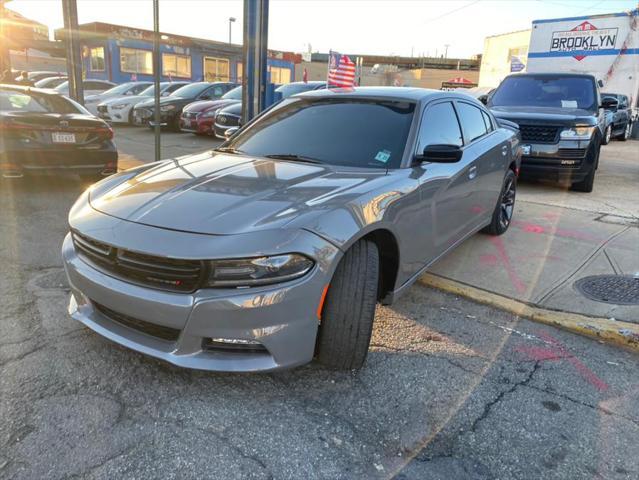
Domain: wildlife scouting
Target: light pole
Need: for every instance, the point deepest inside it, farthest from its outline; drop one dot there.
(231, 22)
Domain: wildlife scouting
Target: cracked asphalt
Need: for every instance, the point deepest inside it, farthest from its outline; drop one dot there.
(451, 390)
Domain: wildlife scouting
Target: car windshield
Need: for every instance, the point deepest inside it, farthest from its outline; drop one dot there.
(49, 82)
(14, 101)
(348, 132)
(148, 92)
(293, 88)
(546, 91)
(235, 94)
(190, 90)
(63, 86)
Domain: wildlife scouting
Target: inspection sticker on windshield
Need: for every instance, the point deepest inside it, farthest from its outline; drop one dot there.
(383, 156)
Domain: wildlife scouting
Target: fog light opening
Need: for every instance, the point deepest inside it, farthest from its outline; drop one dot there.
(232, 345)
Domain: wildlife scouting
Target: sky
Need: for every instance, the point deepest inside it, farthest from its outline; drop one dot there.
(381, 27)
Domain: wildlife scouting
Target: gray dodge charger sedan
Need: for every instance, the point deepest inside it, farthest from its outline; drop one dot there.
(275, 248)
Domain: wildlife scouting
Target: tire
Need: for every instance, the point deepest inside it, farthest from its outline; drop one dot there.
(607, 135)
(503, 213)
(626, 133)
(349, 310)
(587, 184)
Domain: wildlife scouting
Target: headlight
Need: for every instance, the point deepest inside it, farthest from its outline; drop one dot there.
(167, 108)
(119, 106)
(209, 114)
(249, 272)
(577, 133)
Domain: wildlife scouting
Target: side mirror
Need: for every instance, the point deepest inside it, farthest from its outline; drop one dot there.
(206, 96)
(440, 154)
(165, 94)
(230, 132)
(483, 99)
(609, 103)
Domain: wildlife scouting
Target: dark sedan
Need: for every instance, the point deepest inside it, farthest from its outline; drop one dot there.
(44, 132)
(171, 106)
(277, 246)
(227, 117)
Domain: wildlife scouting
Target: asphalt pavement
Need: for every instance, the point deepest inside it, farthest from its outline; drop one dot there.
(451, 390)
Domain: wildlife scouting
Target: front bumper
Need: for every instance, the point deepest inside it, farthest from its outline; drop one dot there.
(120, 115)
(282, 318)
(566, 160)
(196, 125)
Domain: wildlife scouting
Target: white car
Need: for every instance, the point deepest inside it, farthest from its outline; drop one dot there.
(129, 89)
(118, 110)
(90, 87)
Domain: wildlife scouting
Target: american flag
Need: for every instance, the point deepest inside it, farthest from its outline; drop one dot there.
(341, 70)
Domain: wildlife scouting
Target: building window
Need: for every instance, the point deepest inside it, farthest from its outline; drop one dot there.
(280, 75)
(239, 70)
(133, 60)
(520, 52)
(97, 59)
(176, 65)
(216, 69)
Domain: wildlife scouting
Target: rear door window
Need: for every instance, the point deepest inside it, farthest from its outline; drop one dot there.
(472, 120)
(439, 127)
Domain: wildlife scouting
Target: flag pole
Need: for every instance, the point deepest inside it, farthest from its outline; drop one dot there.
(328, 66)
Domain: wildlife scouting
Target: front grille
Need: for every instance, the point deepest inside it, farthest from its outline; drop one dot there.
(159, 331)
(227, 120)
(189, 114)
(539, 133)
(151, 271)
(572, 152)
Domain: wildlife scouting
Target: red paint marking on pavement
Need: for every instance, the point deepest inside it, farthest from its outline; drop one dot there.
(585, 372)
(552, 216)
(516, 282)
(540, 354)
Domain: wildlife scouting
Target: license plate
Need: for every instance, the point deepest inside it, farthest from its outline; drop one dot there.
(58, 137)
(526, 150)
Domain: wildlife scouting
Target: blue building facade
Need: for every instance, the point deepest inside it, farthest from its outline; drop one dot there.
(121, 54)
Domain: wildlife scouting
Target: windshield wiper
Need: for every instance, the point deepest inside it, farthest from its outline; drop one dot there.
(292, 156)
(232, 150)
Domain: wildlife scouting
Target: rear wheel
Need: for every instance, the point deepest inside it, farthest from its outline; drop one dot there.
(626, 133)
(347, 318)
(503, 213)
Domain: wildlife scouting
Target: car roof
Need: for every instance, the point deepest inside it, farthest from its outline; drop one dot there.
(552, 74)
(386, 93)
(29, 89)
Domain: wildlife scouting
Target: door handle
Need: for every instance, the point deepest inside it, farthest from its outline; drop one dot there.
(472, 172)
(504, 150)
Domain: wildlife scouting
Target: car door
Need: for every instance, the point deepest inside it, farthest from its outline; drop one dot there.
(445, 187)
(489, 151)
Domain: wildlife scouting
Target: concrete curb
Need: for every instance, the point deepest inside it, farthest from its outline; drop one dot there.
(612, 331)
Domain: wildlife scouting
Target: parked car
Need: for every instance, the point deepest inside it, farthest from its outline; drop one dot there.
(50, 82)
(123, 90)
(32, 77)
(171, 106)
(294, 88)
(227, 117)
(198, 117)
(120, 110)
(621, 122)
(46, 133)
(562, 124)
(279, 244)
(91, 87)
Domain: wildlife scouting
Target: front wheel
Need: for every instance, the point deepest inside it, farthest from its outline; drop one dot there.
(607, 135)
(347, 319)
(503, 213)
(587, 184)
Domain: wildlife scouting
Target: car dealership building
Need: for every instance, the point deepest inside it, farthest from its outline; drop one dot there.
(120, 54)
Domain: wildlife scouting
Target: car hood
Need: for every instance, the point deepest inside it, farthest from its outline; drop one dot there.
(127, 99)
(563, 116)
(224, 194)
(203, 105)
(165, 101)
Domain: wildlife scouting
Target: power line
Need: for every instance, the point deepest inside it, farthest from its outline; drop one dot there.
(451, 12)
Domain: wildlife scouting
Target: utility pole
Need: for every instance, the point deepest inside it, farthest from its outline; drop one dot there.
(74, 53)
(446, 51)
(5, 57)
(156, 79)
(231, 22)
(255, 54)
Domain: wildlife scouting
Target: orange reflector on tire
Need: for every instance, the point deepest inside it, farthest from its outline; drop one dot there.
(320, 307)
